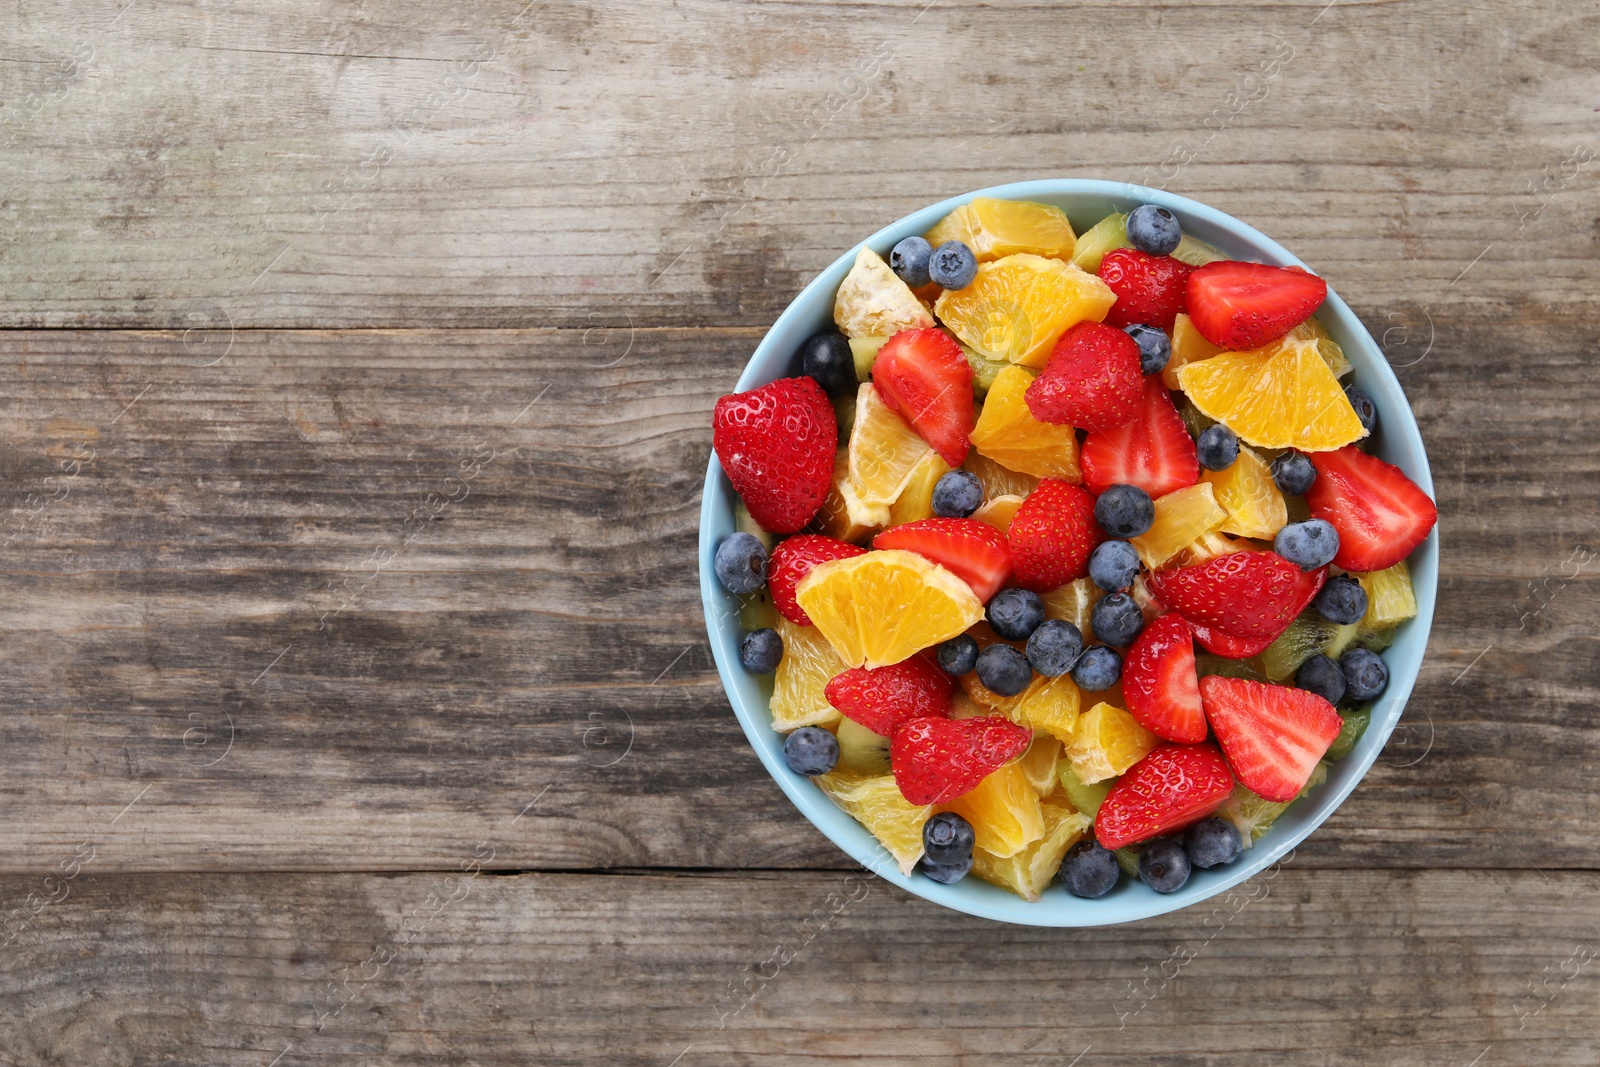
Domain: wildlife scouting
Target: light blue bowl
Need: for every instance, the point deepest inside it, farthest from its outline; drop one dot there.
(1397, 440)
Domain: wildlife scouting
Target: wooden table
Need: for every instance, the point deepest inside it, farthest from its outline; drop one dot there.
(358, 706)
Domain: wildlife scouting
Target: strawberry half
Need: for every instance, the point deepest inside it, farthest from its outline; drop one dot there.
(776, 445)
(923, 375)
(1245, 305)
(1052, 535)
(1272, 735)
(1092, 380)
(1154, 451)
(973, 551)
(1380, 514)
(1251, 595)
(936, 760)
(792, 560)
(885, 697)
(1160, 683)
(1150, 289)
(1173, 786)
(1227, 645)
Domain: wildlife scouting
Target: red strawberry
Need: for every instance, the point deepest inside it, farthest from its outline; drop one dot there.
(1160, 684)
(1228, 646)
(1245, 305)
(1150, 289)
(1380, 514)
(1167, 790)
(1154, 451)
(1251, 595)
(936, 760)
(973, 551)
(1052, 535)
(776, 444)
(883, 698)
(923, 375)
(1273, 735)
(792, 560)
(1092, 380)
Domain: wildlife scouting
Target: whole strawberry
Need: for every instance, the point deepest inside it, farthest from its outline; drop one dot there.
(882, 698)
(776, 444)
(1150, 289)
(935, 760)
(1052, 536)
(1092, 380)
(792, 560)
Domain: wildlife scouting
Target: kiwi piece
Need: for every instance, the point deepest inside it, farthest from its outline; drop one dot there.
(1352, 725)
(1086, 798)
(861, 750)
(1207, 663)
(865, 352)
(1128, 859)
(1306, 636)
(1093, 244)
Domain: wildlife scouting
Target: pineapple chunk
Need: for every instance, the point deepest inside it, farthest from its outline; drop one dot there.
(808, 664)
(1246, 491)
(878, 804)
(916, 499)
(1039, 764)
(1106, 742)
(1029, 872)
(1003, 810)
(1391, 599)
(874, 302)
(1182, 516)
(1110, 232)
(1187, 346)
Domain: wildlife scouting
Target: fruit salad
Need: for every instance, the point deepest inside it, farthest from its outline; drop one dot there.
(1065, 553)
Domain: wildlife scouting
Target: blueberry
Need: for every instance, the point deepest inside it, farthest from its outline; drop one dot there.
(953, 266)
(826, 357)
(1293, 472)
(1124, 511)
(1004, 670)
(1322, 676)
(1155, 347)
(957, 656)
(1212, 843)
(1342, 600)
(811, 750)
(909, 259)
(1365, 675)
(761, 650)
(741, 563)
(1090, 871)
(1308, 545)
(1113, 565)
(946, 872)
(1366, 407)
(947, 838)
(1054, 647)
(1015, 613)
(957, 495)
(1116, 619)
(1217, 447)
(1164, 865)
(1154, 230)
(1098, 668)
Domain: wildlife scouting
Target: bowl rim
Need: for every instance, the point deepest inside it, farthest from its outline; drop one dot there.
(1401, 443)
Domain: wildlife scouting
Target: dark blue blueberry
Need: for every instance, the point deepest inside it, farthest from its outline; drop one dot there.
(947, 873)
(1293, 472)
(1164, 865)
(1124, 511)
(953, 266)
(1322, 676)
(947, 838)
(811, 750)
(1054, 647)
(1090, 871)
(1308, 545)
(1365, 675)
(1004, 670)
(1155, 347)
(1154, 230)
(826, 357)
(1098, 668)
(761, 650)
(1342, 600)
(1366, 407)
(1217, 447)
(957, 656)
(1113, 565)
(741, 563)
(1116, 619)
(1212, 843)
(1015, 613)
(957, 495)
(909, 259)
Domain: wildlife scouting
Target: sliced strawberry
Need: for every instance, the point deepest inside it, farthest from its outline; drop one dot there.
(1272, 735)
(884, 697)
(1154, 451)
(1173, 786)
(1092, 380)
(1221, 643)
(973, 551)
(1052, 535)
(1150, 289)
(776, 445)
(923, 375)
(1380, 514)
(1160, 684)
(1245, 305)
(1251, 595)
(935, 760)
(792, 560)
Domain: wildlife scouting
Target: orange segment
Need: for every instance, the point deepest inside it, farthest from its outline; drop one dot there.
(998, 481)
(877, 803)
(1073, 602)
(873, 302)
(879, 608)
(1030, 872)
(843, 515)
(1251, 498)
(1048, 706)
(1106, 743)
(807, 665)
(996, 228)
(1019, 306)
(999, 512)
(884, 450)
(916, 499)
(1279, 396)
(1003, 810)
(1210, 546)
(1039, 764)
(1008, 433)
(1181, 517)
(1187, 347)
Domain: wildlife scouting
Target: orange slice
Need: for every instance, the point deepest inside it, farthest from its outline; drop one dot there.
(879, 608)
(1029, 873)
(877, 803)
(1018, 307)
(1182, 516)
(1280, 396)
(1008, 433)
(884, 450)
(1003, 810)
(997, 228)
(873, 302)
(999, 512)
(807, 665)
(1251, 498)
(1106, 743)
(1187, 347)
